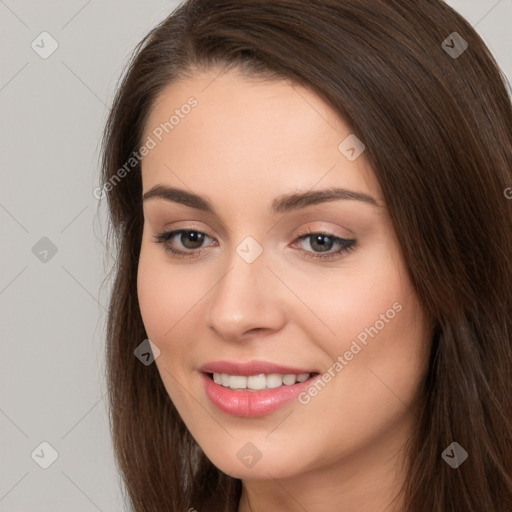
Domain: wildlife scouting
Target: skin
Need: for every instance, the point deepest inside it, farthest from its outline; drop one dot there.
(246, 142)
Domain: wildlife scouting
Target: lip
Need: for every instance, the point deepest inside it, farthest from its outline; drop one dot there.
(251, 368)
(253, 403)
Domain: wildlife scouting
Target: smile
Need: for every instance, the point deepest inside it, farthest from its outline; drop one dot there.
(254, 395)
(258, 382)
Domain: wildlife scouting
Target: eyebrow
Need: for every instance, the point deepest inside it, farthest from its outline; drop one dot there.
(281, 204)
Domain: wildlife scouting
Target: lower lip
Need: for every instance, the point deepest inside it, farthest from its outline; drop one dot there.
(251, 404)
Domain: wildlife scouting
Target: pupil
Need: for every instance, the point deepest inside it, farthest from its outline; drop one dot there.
(191, 236)
(321, 240)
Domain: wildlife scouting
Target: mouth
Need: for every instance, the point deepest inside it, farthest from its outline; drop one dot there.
(255, 395)
(260, 381)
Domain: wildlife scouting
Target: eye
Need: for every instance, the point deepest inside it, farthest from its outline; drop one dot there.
(321, 243)
(190, 239)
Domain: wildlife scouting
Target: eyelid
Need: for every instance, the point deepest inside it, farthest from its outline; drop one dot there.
(300, 233)
(326, 231)
(345, 244)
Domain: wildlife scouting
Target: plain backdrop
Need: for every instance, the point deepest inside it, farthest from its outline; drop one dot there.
(52, 257)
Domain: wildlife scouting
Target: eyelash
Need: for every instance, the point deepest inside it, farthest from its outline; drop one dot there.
(347, 245)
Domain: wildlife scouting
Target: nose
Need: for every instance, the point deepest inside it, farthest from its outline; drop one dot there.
(246, 301)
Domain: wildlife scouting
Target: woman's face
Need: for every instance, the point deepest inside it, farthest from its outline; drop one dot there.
(274, 279)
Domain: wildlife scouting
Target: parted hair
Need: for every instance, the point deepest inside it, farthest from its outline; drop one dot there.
(437, 127)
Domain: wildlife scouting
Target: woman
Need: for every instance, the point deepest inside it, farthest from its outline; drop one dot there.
(311, 308)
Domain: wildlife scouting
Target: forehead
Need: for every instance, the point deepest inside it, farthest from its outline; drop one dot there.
(260, 136)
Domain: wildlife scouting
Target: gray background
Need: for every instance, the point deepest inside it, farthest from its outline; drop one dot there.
(52, 305)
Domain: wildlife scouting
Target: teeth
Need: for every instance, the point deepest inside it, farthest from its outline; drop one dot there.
(274, 380)
(237, 382)
(257, 382)
(289, 380)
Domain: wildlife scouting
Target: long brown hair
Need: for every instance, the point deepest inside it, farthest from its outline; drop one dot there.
(436, 120)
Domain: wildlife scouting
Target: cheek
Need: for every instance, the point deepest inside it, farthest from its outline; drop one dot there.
(376, 324)
(370, 293)
(386, 352)
(165, 297)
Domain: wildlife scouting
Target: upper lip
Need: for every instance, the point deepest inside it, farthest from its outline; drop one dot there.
(251, 368)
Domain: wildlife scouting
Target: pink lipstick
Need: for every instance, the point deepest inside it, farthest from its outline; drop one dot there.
(253, 388)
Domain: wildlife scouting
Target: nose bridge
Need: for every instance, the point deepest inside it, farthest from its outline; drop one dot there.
(245, 296)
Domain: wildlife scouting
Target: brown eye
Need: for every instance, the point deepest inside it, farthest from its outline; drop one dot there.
(191, 239)
(190, 242)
